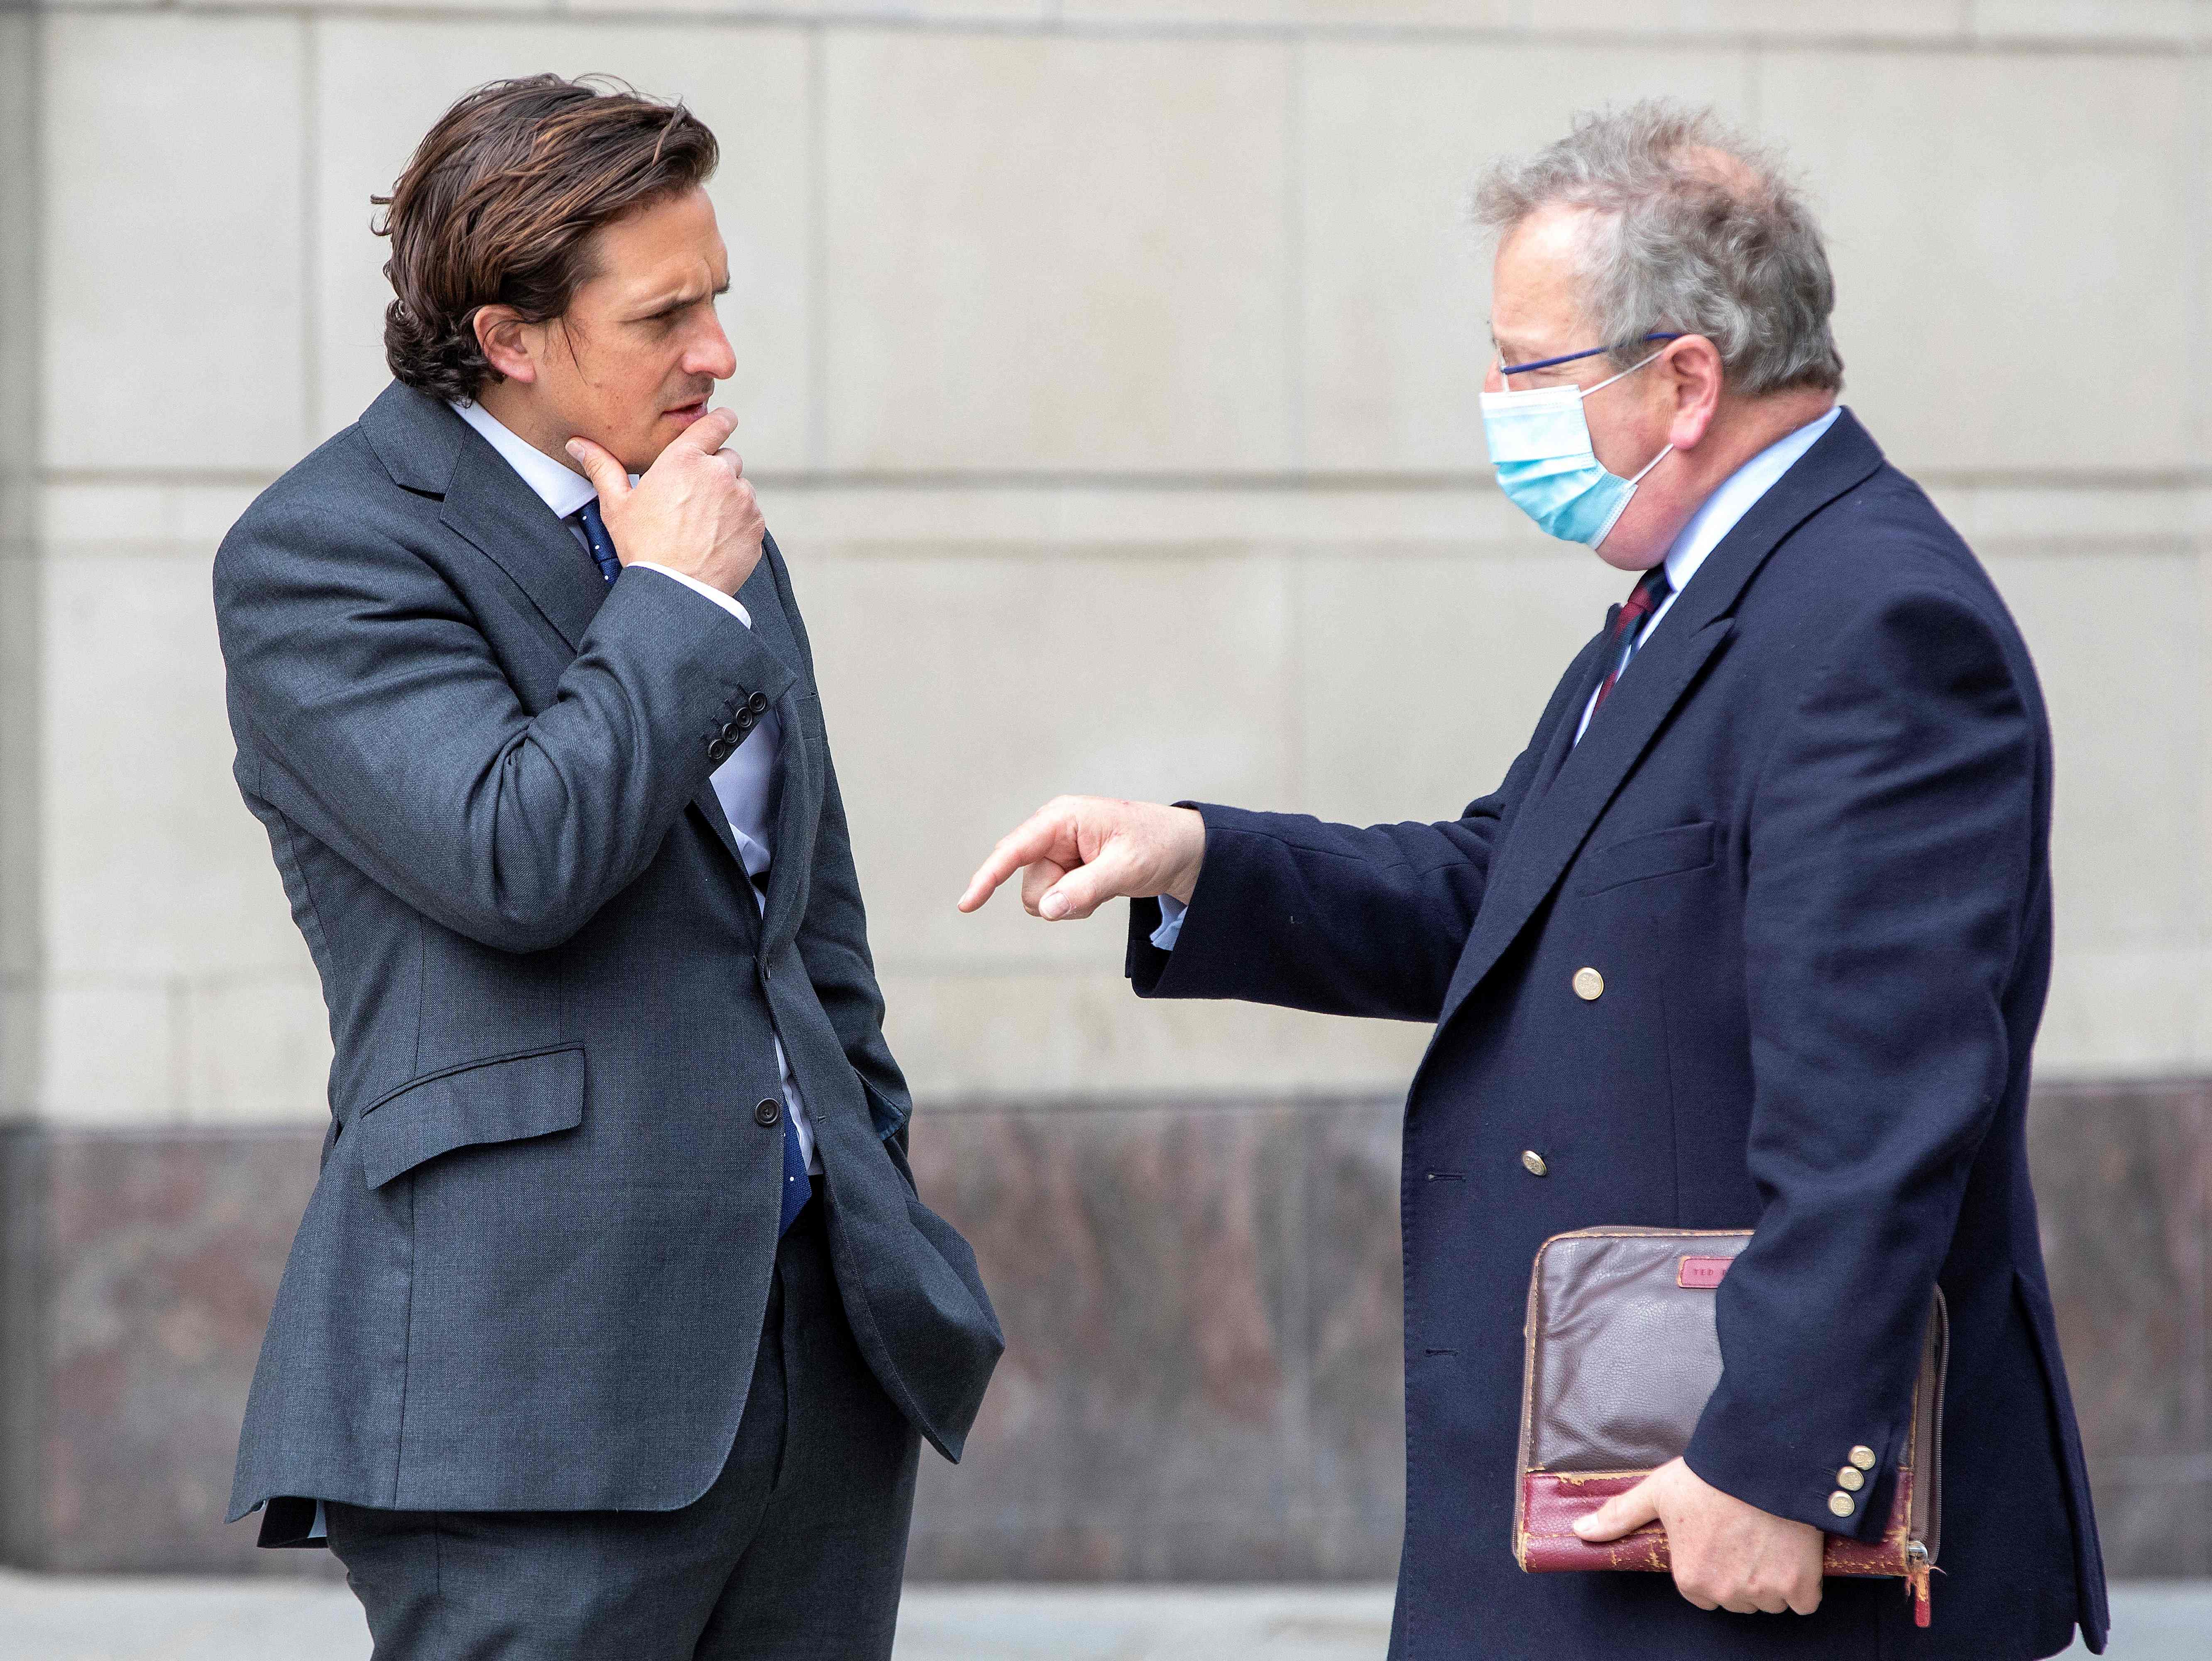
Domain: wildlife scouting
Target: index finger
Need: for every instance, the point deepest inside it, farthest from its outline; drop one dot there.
(1023, 845)
(710, 431)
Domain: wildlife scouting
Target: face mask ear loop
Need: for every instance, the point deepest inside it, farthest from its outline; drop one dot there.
(1625, 373)
(1650, 465)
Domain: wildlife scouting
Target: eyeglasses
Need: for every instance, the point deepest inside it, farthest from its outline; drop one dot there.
(1571, 357)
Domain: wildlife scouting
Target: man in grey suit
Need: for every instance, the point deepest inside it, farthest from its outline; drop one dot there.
(614, 1321)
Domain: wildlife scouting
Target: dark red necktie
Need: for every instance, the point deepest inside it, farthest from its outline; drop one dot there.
(1650, 594)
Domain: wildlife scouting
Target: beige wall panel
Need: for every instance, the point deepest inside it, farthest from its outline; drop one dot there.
(2129, 842)
(416, 6)
(1382, 14)
(1761, 19)
(962, 693)
(111, 1052)
(2175, 21)
(22, 1040)
(175, 309)
(1423, 674)
(379, 85)
(257, 1048)
(19, 253)
(153, 865)
(1082, 1034)
(1059, 253)
(2143, 1014)
(936, 11)
(21, 853)
(1395, 283)
(1980, 207)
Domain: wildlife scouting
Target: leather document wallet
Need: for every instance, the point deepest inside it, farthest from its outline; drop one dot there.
(1623, 1353)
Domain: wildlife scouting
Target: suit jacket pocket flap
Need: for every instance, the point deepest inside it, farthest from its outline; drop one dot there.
(495, 1101)
(1653, 854)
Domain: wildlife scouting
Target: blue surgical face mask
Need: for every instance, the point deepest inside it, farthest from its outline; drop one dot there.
(1540, 446)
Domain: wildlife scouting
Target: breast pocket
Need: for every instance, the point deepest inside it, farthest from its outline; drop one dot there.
(505, 1099)
(1638, 859)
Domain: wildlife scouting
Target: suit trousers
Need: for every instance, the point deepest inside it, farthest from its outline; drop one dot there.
(795, 1553)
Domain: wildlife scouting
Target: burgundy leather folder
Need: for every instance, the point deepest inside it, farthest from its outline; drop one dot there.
(1622, 1355)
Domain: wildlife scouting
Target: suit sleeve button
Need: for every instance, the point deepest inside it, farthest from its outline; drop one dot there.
(1532, 1162)
(1589, 984)
(767, 1112)
(717, 750)
(1841, 1504)
(1862, 1457)
(731, 732)
(1852, 1478)
(758, 703)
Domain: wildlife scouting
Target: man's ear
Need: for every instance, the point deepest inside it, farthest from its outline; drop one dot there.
(506, 342)
(1693, 365)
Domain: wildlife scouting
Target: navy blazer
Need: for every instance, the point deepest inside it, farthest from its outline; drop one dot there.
(1806, 845)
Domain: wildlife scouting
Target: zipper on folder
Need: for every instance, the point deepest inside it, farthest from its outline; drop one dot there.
(1916, 1581)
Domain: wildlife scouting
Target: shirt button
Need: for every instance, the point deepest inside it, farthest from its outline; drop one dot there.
(1532, 1162)
(1841, 1504)
(767, 1112)
(1589, 985)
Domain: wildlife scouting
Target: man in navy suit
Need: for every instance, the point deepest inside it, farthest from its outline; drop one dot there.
(1755, 934)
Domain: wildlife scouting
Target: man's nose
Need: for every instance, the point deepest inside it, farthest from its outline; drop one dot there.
(711, 353)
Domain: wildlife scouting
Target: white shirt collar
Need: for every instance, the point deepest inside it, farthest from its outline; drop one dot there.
(560, 487)
(1725, 507)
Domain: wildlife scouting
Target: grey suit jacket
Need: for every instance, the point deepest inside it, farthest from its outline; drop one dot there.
(533, 1273)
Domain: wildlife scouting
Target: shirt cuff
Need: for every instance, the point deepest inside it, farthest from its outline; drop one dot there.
(1172, 916)
(729, 603)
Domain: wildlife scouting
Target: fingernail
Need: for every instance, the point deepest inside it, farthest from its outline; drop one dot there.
(1585, 1525)
(1054, 907)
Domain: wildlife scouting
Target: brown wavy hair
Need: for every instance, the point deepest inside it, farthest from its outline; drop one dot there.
(498, 205)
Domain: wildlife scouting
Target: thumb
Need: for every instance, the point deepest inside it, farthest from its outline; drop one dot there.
(1624, 1513)
(608, 476)
(1086, 888)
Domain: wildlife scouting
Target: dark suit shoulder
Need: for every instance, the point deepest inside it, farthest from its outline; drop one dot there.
(337, 500)
(1875, 544)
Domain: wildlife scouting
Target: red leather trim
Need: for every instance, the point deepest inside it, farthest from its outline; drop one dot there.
(1702, 1274)
(1544, 1541)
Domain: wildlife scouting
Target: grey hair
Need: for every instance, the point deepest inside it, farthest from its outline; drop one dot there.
(1694, 229)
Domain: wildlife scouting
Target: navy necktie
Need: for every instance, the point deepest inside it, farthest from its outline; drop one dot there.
(602, 545)
(798, 1186)
(1650, 594)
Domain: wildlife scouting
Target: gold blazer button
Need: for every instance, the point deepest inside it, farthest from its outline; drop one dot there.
(1851, 1478)
(1589, 985)
(1862, 1457)
(1842, 1504)
(1534, 1163)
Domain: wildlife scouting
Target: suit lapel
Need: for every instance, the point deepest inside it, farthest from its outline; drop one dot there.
(506, 521)
(1583, 779)
(1563, 736)
(767, 600)
(1554, 825)
(708, 807)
